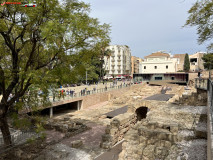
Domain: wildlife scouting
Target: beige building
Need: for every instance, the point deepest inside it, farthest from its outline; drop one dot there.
(196, 62)
(180, 65)
(118, 64)
(135, 64)
(159, 62)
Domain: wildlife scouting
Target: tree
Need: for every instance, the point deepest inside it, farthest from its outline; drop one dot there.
(208, 60)
(186, 65)
(200, 15)
(39, 46)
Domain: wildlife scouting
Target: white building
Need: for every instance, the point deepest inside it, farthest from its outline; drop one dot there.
(159, 62)
(118, 64)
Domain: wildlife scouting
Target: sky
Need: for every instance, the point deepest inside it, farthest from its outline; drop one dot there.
(147, 26)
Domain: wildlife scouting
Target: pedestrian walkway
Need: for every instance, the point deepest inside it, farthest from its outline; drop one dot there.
(112, 154)
(160, 97)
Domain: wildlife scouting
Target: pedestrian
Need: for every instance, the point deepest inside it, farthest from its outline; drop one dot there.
(73, 92)
(62, 93)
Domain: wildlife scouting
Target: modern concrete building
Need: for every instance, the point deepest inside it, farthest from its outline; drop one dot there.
(118, 64)
(159, 62)
(135, 64)
(196, 62)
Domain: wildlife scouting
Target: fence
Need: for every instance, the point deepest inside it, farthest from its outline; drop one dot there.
(201, 83)
(18, 137)
(87, 92)
(210, 97)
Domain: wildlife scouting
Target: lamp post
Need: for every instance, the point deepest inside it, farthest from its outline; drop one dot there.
(86, 77)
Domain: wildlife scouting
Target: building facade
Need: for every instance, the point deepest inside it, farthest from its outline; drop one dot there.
(159, 62)
(118, 64)
(196, 62)
(180, 65)
(135, 64)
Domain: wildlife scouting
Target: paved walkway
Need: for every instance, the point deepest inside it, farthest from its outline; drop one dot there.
(160, 97)
(112, 154)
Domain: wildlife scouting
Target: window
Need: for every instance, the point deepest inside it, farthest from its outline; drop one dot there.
(144, 67)
(158, 78)
(155, 67)
(167, 67)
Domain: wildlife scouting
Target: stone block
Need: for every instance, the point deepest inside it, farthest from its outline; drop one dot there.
(174, 129)
(148, 151)
(163, 136)
(151, 125)
(167, 144)
(106, 138)
(173, 138)
(142, 131)
(113, 131)
(71, 124)
(160, 152)
(106, 145)
(66, 118)
(77, 144)
(115, 123)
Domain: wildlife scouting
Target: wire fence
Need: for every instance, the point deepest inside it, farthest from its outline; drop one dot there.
(210, 98)
(201, 83)
(18, 137)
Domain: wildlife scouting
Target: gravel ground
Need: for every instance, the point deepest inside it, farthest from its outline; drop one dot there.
(61, 151)
(193, 150)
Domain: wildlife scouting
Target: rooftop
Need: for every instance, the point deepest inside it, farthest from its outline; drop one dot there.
(158, 54)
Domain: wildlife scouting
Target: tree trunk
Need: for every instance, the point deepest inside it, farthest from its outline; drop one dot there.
(5, 131)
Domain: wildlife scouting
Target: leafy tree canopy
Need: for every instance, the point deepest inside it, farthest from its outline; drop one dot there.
(208, 60)
(200, 15)
(44, 45)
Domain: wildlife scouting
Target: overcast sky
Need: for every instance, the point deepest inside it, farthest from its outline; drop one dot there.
(147, 26)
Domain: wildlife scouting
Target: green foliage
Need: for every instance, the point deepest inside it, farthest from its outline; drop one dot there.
(200, 15)
(53, 43)
(208, 60)
(186, 63)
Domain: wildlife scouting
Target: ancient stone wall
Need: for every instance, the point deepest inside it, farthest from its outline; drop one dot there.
(198, 98)
(106, 96)
(149, 141)
(117, 129)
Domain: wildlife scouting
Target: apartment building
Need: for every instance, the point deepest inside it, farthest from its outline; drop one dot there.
(135, 64)
(118, 64)
(159, 62)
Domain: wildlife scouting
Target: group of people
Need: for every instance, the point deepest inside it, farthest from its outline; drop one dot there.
(85, 91)
(63, 93)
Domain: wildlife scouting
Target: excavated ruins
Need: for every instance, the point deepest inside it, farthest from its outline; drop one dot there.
(170, 129)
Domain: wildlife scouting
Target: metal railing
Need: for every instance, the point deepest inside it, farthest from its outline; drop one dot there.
(201, 83)
(87, 92)
(210, 97)
(17, 137)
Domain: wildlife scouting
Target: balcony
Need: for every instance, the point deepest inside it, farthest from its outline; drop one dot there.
(113, 64)
(112, 60)
(119, 60)
(119, 64)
